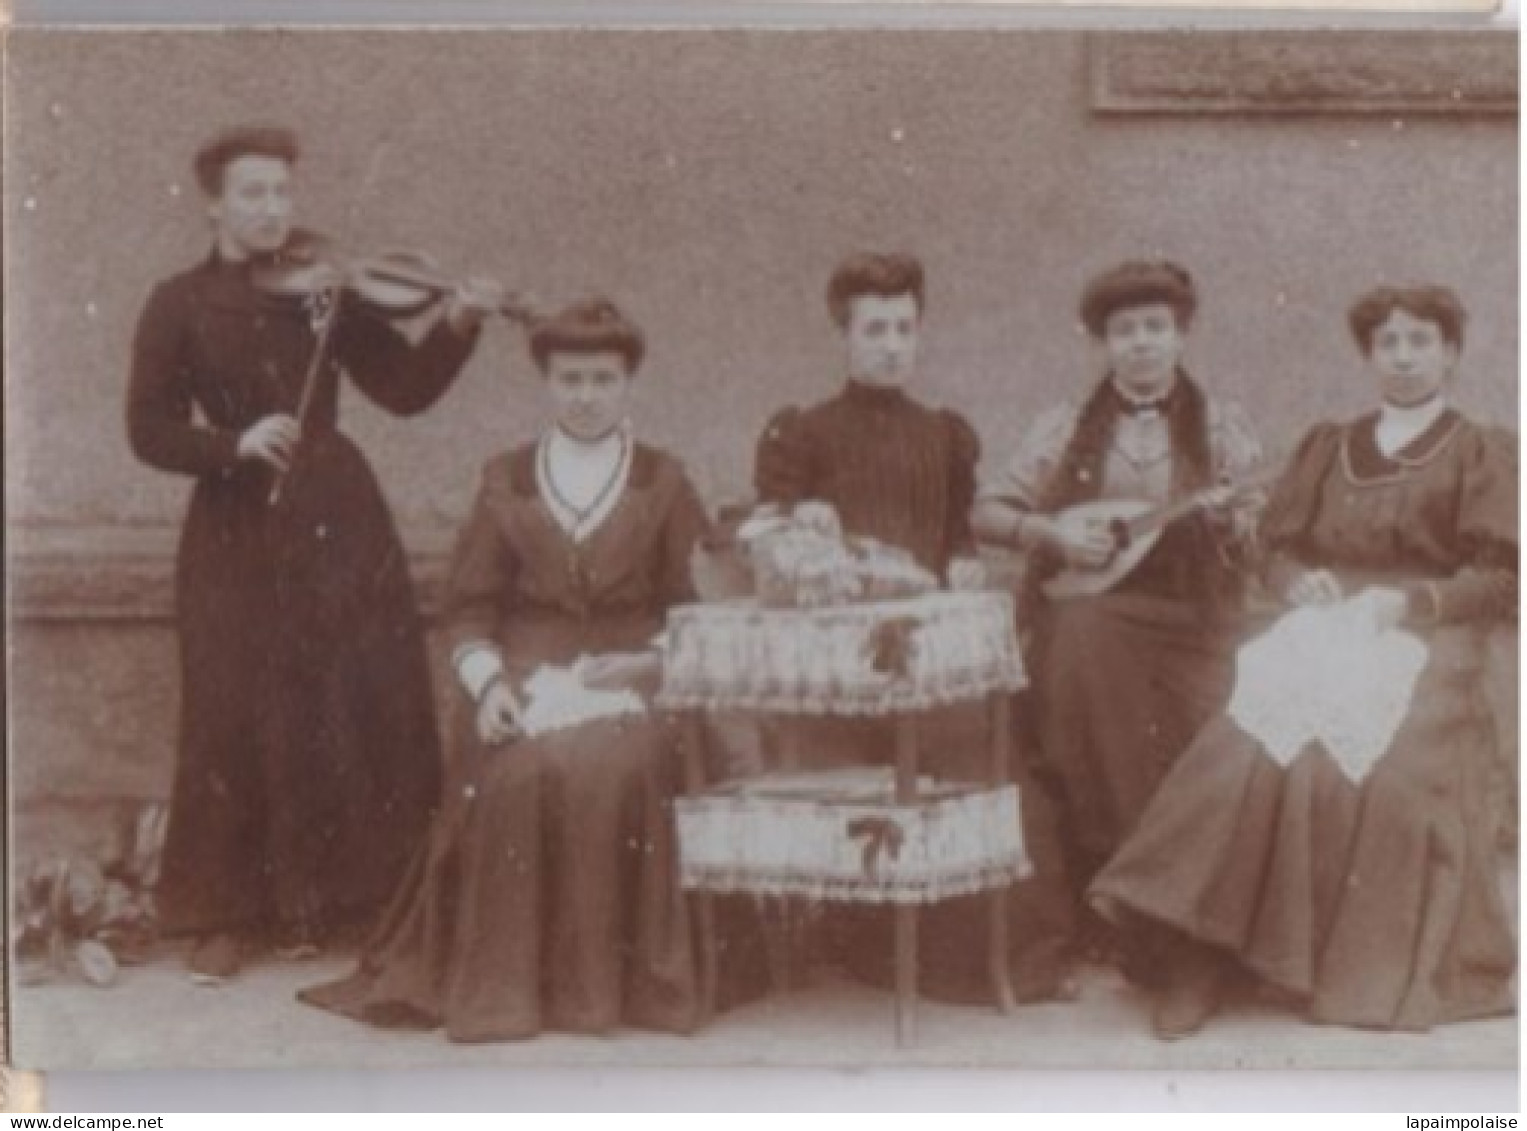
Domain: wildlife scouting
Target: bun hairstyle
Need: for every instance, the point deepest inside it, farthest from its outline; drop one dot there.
(590, 326)
(1138, 282)
(883, 274)
(1434, 304)
(215, 154)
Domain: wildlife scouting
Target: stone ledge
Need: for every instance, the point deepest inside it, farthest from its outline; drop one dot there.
(65, 573)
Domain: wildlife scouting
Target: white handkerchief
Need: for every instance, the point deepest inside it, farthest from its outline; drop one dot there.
(557, 698)
(1328, 675)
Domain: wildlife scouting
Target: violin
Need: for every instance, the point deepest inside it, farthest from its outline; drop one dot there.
(395, 284)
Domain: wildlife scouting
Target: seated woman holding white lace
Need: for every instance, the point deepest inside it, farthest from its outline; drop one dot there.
(1331, 831)
(548, 896)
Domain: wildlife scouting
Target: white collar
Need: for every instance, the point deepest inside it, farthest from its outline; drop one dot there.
(565, 443)
(557, 445)
(1398, 425)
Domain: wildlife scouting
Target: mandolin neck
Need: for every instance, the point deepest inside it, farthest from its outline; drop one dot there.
(1158, 517)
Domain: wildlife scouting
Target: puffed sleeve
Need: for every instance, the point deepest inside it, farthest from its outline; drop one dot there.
(785, 460)
(964, 455)
(1022, 481)
(1486, 585)
(480, 584)
(683, 526)
(161, 428)
(1291, 506)
(400, 376)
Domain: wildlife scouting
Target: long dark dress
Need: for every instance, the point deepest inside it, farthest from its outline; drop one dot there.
(306, 713)
(547, 897)
(1122, 681)
(1376, 903)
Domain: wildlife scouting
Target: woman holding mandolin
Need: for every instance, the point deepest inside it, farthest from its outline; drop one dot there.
(308, 759)
(1133, 621)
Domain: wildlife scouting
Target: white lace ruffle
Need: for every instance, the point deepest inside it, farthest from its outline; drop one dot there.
(868, 659)
(849, 844)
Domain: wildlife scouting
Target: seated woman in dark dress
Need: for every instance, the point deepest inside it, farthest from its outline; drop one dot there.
(1370, 896)
(548, 896)
(1123, 678)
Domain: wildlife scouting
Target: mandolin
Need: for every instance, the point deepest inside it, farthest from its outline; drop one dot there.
(1135, 527)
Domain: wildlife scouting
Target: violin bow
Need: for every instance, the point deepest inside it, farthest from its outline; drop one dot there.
(326, 313)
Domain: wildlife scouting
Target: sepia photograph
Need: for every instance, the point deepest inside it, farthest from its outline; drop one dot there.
(684, 547)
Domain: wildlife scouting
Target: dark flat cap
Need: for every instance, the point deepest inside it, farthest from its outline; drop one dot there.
(590, 326)
(241, 141)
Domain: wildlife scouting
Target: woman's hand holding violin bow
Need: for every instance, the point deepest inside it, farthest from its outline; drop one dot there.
(472, 301)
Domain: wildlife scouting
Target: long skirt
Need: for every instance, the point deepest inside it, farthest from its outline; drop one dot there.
(307, 714)
(1377, 902)
(1122, 683)
(546, 899)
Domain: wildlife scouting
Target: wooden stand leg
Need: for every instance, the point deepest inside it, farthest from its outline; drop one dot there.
(1001, 969)
(1001, 976)
(906, 913)
(704, 903)
(708, 964)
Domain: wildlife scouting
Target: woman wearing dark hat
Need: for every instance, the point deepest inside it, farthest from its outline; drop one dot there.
(1371, 898)
(548, 896)
(306, 718)
(1124, 678)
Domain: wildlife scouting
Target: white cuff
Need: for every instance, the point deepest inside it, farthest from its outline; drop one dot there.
(477, 665)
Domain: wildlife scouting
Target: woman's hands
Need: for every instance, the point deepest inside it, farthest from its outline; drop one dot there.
(1384, 606)
(472, 301)
(1314, 587)
(820, 517)
(499, 714)
(1086, 544)
(271, 440)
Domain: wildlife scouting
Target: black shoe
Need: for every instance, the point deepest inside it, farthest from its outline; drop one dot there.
(1191, 997)
(216, 958)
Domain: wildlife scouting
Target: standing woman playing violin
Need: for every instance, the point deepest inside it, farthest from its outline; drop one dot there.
(1123, 678)
(308, 757)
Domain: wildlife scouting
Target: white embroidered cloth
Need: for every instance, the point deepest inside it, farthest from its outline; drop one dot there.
(866, 659)
(1327, 675)
(840, 836)
(556, 698)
